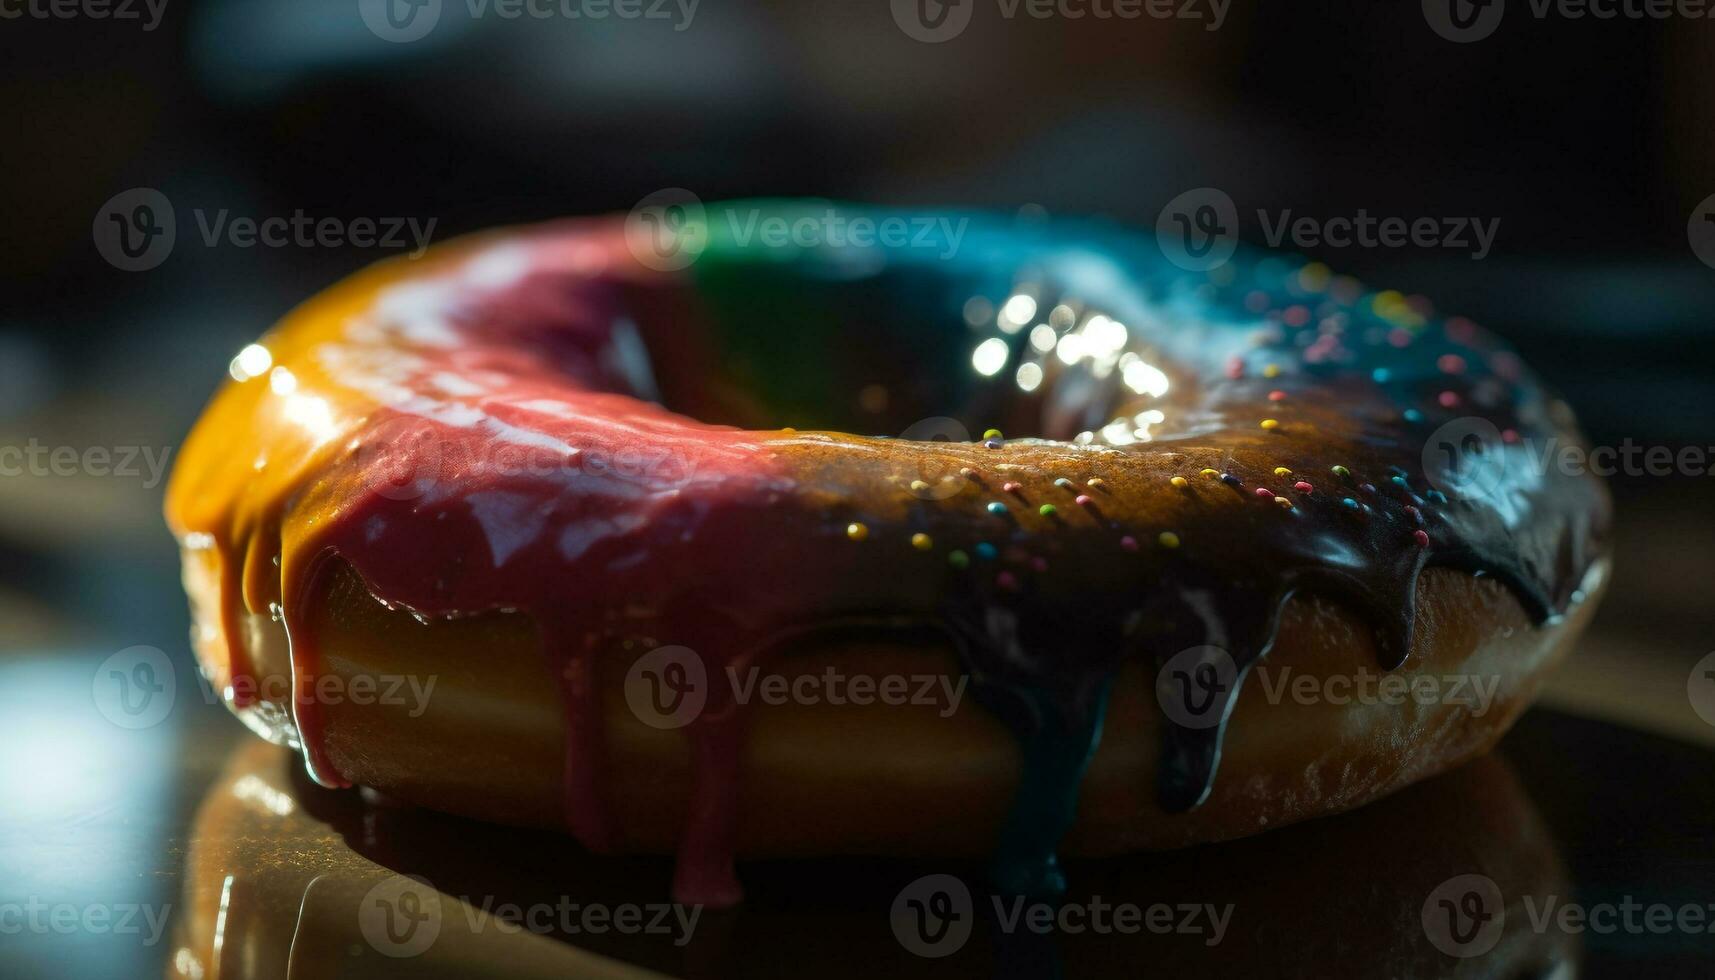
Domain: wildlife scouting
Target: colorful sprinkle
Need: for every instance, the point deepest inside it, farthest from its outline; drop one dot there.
(992, 434)
(1168, 539)
(1367, 487)
(1129, 543)
(1047, 510)
(1282, 501)
(986, 551)
(1230, 480)
(1436, 496)
(1007, 581)
(919, 485)
(1282, 471)
(1271, 371)
(1349, 503)
(1277, 396)
(1416, 515)
(1448, 399)
(1063, 483)
(1302, 487)
(1209, 472)
(967, 472)
(1264, 492)
(958, 559)
(1271, 423)
(1422, 538)
(1180, 482)
(992, 444)
(1011, 486)
(1341, 471)
(1451, 363)
(1095, 483)
(1381, 375)
(1083, 500)
(856, 531)
(922, 542)
(996, 508)
(1413, 415)
(1398, 481)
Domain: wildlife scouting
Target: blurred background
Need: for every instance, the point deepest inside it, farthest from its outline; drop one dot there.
(1591, 143)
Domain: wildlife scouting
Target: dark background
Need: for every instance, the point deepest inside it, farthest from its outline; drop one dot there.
(1592, 141)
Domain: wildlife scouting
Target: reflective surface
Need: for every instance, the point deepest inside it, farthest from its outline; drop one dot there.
(191, 849)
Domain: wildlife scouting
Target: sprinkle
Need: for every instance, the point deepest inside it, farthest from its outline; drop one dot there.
(1083, 500)
(922, 542)
(958, 559)
(1129, 543)
(992, 443)
(1095, 483)
(1180, 482)
(1271, 371)
(1422, 538)
(1341, 471)
(1282, 471)
(1264, 492)
(1367, 487)
(1039, 564)
(856, 531)
(992, 434)
(967, 472)
(1413, 415)
(1168, 539)
(1302, 487)
(1277, 396)
(1063, 483)
(1235, 368)
(1011, 486)
(1509, 436)
(1282, 501)
(919, 485)
(1398, 481)
(1230, 480)
(986, 551)
(1205, 471)
(996, 508)
(1416, 515)
(1349, 503)
(1451, 363)
(1448, 399)
(1436, 496)
(1381, 375)
(1271, 423)
(1047, 510)
(1007, 581)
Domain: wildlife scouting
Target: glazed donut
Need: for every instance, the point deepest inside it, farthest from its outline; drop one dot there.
(543, 469)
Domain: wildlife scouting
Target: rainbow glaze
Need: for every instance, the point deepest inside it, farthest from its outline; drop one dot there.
(384, 443)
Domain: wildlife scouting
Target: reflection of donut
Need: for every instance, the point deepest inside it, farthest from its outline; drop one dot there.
(279, 873)
(1232, 462)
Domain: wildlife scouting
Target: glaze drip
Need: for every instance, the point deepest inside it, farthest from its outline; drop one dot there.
(483, 430)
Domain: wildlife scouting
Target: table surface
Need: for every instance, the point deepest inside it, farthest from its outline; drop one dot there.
(193, 849)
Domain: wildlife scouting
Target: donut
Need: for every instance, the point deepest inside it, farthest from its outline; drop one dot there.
(544, 470)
